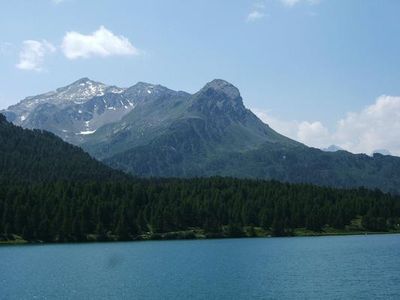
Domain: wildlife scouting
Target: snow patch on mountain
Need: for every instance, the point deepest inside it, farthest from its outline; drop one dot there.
(87, 132)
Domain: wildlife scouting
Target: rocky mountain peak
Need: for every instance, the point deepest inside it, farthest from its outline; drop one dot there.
(222, 86)
(219, 98)
(82, 83)
(82, 80)
(82, 89)
(143, 91)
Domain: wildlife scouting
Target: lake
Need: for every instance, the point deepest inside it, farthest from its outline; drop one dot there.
(340, 267)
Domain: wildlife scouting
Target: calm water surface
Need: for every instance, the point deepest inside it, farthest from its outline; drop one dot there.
(348, 267)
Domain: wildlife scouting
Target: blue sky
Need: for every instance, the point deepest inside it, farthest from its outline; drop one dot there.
(313, 70)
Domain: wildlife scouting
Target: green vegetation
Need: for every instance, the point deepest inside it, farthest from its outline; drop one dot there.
(188, 208)
(37, 156)
(53, 192)
(183, 155)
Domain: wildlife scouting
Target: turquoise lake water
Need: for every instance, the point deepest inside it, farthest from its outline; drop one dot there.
(342, 267)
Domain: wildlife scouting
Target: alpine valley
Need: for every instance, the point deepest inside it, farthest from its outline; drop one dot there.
(151, 131)
(53, 191)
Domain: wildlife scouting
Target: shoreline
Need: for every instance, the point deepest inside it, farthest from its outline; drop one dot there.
(176, 237)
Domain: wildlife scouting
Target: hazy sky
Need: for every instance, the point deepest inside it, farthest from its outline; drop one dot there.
(322, 72)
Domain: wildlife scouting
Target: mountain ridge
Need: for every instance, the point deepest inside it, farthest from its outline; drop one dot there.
(150, 130)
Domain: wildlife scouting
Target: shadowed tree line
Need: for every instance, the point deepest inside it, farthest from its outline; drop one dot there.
(124, 210)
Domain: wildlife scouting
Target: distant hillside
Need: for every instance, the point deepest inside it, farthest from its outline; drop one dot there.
(36, 155)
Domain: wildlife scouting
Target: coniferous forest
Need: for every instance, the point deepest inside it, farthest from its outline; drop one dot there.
(54, 192)
(216, 207)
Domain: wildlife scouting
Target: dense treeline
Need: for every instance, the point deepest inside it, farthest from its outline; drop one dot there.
(37, 155)
(67, 211)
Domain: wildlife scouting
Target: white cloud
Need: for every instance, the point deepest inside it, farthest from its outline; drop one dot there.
(257, 12)
(313, 134)
(32, 54)
(287, 128)
(254, 16)
(101, 43)
(57, 1)
(377, 126)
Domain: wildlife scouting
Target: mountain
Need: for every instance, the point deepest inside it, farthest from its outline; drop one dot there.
(37, 156)
(71, 111)
(191, 135)
(150, 130)
(310, 165)
(155, 108)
